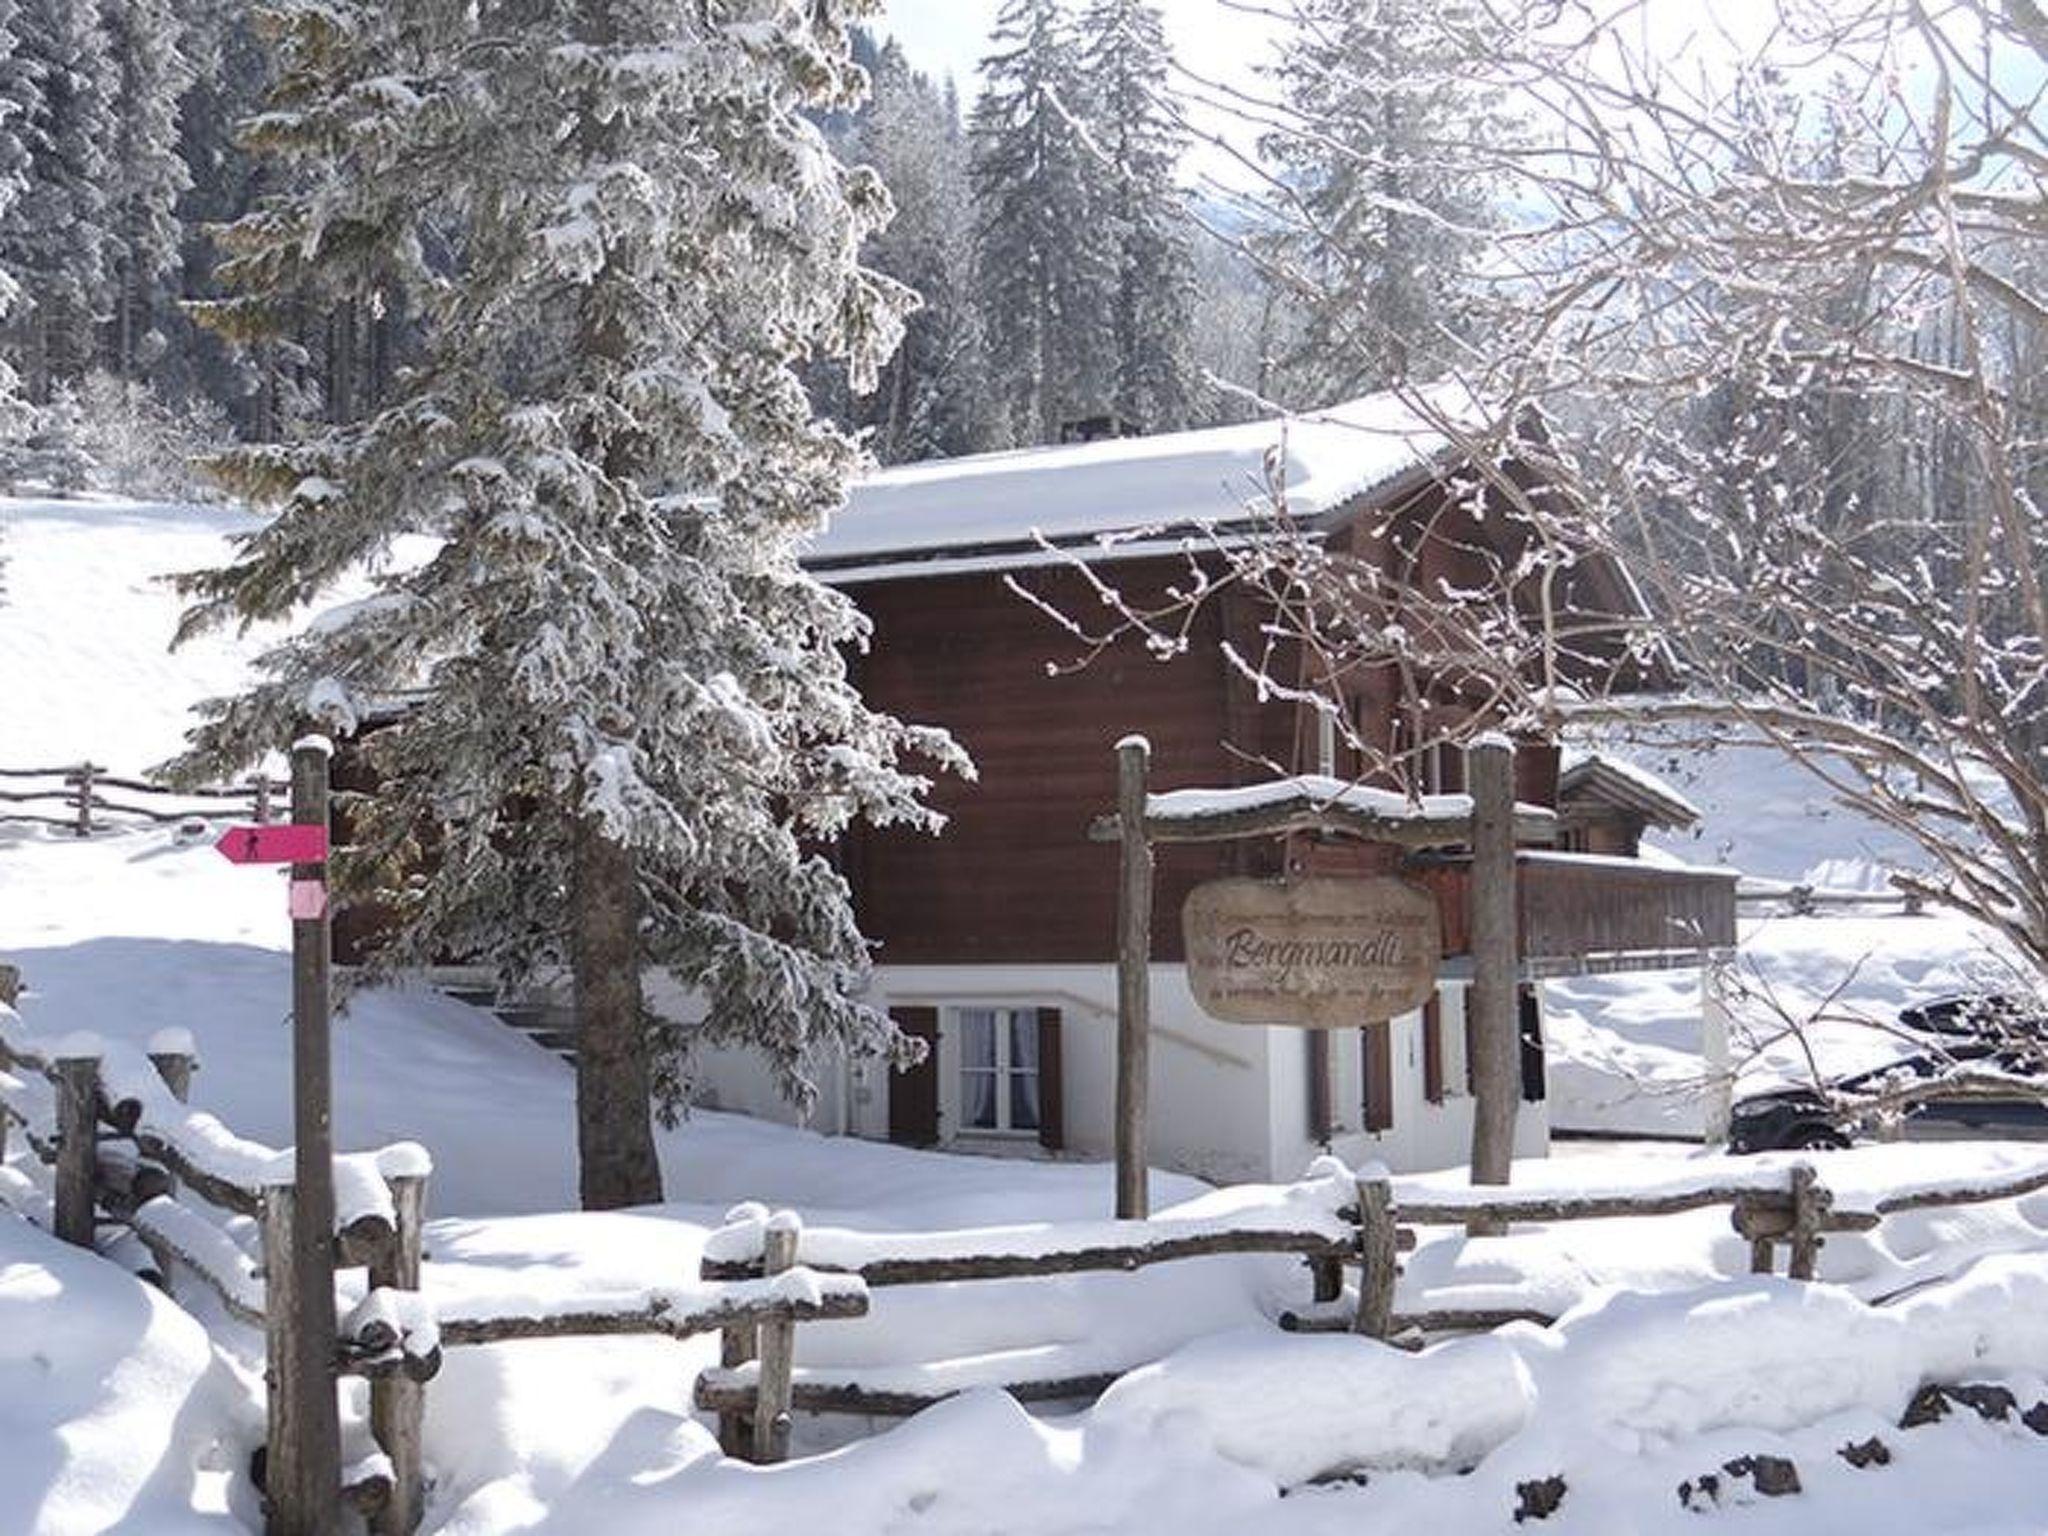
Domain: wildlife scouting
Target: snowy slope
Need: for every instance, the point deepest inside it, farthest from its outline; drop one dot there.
(85, 626)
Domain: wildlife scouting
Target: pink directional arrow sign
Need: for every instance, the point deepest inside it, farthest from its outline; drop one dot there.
(287, 842)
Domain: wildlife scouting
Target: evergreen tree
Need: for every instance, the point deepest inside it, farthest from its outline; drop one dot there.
(1385, 214)
(54, 241)
(634, 730)
(17, 108)
(231, 73)
(933, 400)
(1138, 142)
(1047, 260)
(146, 175)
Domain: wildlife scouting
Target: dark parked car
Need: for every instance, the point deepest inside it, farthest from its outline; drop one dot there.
(1989, 1032)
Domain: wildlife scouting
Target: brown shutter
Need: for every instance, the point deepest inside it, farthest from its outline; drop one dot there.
(1379, 1077)
(1052, 1106)
(1320, 1118)
(1534, 1085)
(1433, 1049)
(914, 1095)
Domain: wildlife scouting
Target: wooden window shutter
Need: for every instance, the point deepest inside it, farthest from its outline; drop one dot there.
(1471, 1043)
(1534, 1078)
(1378, 1107)
(1433, 1048)
(914, 1095)
(1321, 1119)
(1052, 1097)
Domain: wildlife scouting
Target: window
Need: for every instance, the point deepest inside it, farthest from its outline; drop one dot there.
(999, 1077)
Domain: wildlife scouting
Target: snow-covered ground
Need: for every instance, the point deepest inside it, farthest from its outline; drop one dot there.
(119, 1411)
(1625, 1050)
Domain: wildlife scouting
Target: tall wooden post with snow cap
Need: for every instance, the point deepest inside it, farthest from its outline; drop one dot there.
(316, 1469)
(1133, 978)
(1491, 1006)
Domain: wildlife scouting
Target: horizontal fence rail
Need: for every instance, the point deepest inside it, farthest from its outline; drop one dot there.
(136, 1170)
(135, 1167)
(84, 798)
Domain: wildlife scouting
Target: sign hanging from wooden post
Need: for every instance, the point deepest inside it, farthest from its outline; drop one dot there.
(1321, 953)
(280, 843)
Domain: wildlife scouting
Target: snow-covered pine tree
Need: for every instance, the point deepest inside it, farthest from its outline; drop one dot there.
(17, 101)
(1137, 138)
(54, 240)
(231, 72)
(1385, 208)
(145, 174)
(631, 732)
(933, 400)
(1046, 253)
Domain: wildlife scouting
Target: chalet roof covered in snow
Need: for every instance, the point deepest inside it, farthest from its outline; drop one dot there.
(1607, 780)
(1003, 508)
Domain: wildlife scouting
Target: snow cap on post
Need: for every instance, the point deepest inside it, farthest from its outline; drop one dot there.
(314, 743)
(1135, 743)
(173, 1040)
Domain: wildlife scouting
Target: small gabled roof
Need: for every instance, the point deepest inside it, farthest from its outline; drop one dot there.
(1003, 509)
(1599, 779)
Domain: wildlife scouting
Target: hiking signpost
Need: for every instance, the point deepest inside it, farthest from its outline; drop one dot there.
(304, 1492)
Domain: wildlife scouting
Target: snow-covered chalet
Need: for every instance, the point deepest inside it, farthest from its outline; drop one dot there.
(997, 938)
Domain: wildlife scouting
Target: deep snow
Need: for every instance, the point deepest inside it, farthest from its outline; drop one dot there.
(120, 1413)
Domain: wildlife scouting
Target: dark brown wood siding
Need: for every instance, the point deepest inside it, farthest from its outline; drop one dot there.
(1013, 878)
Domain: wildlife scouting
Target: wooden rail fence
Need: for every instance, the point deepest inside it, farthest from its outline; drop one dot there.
(133, 1166)
(1774, 1208)
(81, 798)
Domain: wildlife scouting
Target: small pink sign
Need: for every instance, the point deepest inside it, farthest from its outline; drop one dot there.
(286, 842)
(308, 900)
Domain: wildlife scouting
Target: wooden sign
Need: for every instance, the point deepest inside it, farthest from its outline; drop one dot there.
(1320, 953)
(279, 843)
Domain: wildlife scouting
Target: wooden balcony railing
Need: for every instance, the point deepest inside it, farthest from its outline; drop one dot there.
(1579, 913)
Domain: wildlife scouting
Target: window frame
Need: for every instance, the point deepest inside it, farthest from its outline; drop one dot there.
(1006, 1019)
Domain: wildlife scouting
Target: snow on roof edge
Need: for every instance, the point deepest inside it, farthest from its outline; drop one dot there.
(1007, 506)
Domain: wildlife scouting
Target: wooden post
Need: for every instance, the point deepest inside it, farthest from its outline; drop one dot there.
(778, 1352)
(1378, 1247)
(1809, 1204)
(78, 1092)
(284, 1511)
(259, 784)
(318, 1462)
(176, 1069)
(736, 1346)
(1756, 1225)
(1133, 979)
(1720, 1084)
(397, 1402)
(84, 777)
(1491, 1002)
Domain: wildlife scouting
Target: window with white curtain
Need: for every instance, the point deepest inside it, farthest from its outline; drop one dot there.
(999, 1069)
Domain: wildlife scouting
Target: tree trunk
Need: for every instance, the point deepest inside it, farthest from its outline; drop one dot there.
(614, 1128)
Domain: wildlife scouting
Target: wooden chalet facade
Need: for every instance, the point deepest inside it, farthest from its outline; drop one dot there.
(996, 939)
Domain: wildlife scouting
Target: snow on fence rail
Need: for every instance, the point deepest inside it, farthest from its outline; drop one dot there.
(127, 1151)
(1334, 1218)
(81, 792)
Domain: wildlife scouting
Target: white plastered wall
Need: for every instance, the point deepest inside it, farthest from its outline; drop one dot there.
(1228, 1102)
